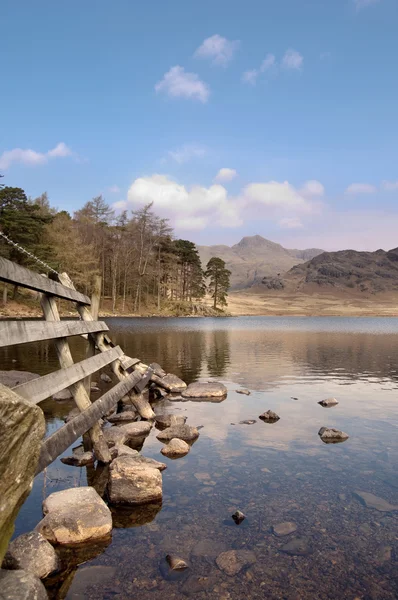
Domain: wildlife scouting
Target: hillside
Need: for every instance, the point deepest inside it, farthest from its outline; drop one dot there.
(254, 258)
(346, 270)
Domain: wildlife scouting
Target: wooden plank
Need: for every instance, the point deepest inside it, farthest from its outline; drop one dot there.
(94, 309)
(22, 332)
(41, 388)
(60, 441)
(145, 379)
(17, 275)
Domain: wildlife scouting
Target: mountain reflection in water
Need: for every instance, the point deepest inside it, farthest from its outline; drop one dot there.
(273, 473)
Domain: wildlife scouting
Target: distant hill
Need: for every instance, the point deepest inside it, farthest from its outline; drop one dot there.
(369, 272)
(254, 258)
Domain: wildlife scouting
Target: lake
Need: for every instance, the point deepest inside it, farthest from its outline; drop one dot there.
(273, 473)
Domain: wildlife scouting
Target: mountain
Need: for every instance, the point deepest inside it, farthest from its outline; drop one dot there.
(346, 270)
(254, 258)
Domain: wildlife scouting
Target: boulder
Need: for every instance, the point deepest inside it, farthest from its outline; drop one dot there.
(182, 432)
(171, 383)
(157, 370)
(133, 483)
(175, 448)
(269, 416)
(22, 428)
(114, 436)
(79, 459)
(150, 462)
(233, 561)
(21, 585)
(285, 528)
(328, 402)
(205, 390)
(75, 515)
(32, 553)
(164, 421)
(127, 416)
(329, 435)
(123, 450)
(105, 378)
(13, 378)
(130, 433)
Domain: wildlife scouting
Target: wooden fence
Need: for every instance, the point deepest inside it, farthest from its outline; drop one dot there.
(133, 376)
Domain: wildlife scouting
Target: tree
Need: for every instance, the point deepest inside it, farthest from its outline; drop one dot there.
(191, 278)
(219, 280)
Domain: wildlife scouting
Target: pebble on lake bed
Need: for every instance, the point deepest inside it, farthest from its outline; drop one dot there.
(269, 416)
(175, 563)
(328, 402)
(245, 392)
(247, 422)
(238, 517)
(282, 529)
(329, 435)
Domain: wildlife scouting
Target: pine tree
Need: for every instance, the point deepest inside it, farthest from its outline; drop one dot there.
(219, 281)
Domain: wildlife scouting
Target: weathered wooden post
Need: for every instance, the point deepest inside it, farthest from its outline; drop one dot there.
(94, 309)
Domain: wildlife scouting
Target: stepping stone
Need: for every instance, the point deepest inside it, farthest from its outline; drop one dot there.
(205, 390)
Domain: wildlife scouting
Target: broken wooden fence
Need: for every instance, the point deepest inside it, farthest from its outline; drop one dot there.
(133, 375)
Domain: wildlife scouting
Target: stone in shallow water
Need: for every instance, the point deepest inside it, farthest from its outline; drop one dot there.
(182, 432)
(75, 515)
(247, 422)
(205, 390)
(285, 528)
(238, 517)
(171, 383)
(127, 416)
(329, 435)
(269, 416)
(175, 448)
(164, 421)
(245, 392)
(79, 460)
(21, 585)
(372, 501)
(133, 483)
(233, 561)
(297, 547)
(176, 563)
(32, 553)
(63, 395)
(105, 378)
(329, 402)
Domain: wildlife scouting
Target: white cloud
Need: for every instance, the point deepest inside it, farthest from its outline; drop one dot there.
(277, 195)
(177, 83)
(363, 3)
(268, 63)
(291, 223)
(218, 49)
(292, 60)
(226, 174)
(186, 153)
(121, 205)
(114, 189)
(361, 188)
(250, 76)
(389, 186)
(312, 188)
(31, 157)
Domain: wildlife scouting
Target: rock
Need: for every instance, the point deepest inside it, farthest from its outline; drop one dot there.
(72, 414)
(372, 501)
(233, 561)
(157, 369)
(13, 378)
(297, 547)
(75, 515)
(32, 553)
(245, 392)
(127, 416)
(176, 563)
(328, 402)
(105, 378)
(133, 483)
(22, 428)
(383, 554)
(329, 435)
(94, 388)
(164, 421)
(294, 398)
(132, 433)
(114, 436)
(269, 417)
(171, 383)
(175, 448)
(156, 393)
(182, 432)
(123, 450)
(238, 517)
(21, 585)
(79, 460)
(150, 462)
(285, 528)
(205, 390)
(247, 422)
(63, 395)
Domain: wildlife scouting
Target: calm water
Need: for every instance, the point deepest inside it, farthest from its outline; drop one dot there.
(273, 473)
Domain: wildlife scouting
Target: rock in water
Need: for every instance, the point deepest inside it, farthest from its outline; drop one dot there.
(175, 448)
(75, 515)
(171, 383)
(284, 528)
(13, 378)
(247, 422)
(372, 501)
(297, 547)
(205, 390)
(329, 402)
(122, 450)
(22, 428)
(157, 369)
(79, 460)
(269, 416)
(175, 563)
(238, 517)
(233, 561)
(150, 462)
(164, 421)
(329, 435)
(131, 433)
(127, 416)
(133, 483)
(245, 392)
(32, 553)
(105, 378)
(63, 395)
(21, 585)
(182, 432)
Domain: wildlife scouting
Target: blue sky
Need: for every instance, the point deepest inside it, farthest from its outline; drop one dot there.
(271, 117)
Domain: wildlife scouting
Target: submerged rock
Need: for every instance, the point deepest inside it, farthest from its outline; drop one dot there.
(244, 391)
(71, 415)
(133, 483)
(372, 501)
(63, 395)
(175, 448)
(329, 435)
(205, 390)
(13, 378)
(238, 517)
(247, 422)
(127, 416)
(182, 432)
(105, 378)
(79, 459)
(285, 528)
(75, 515)
(171, 383)
(233, 561)
(33, 553)
(21, 585)
(269, 416)
(176, 563)
(329, 402)
(164, 421)
(297, 547)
